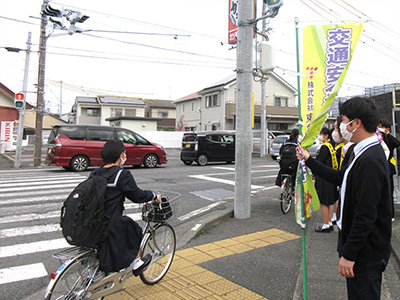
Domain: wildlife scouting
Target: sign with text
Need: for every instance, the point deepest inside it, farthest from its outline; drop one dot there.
(233, 21)
(7, 134)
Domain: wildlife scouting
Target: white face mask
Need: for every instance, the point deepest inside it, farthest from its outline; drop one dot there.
(346, 134)
(336, 137)
(320, 138)
(123, 160)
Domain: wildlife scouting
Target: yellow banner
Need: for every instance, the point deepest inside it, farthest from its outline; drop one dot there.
(327, 52)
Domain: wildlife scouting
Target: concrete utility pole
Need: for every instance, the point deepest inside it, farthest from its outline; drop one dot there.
(242, 204)
(264, 136)
(40, 89)
(17, 162)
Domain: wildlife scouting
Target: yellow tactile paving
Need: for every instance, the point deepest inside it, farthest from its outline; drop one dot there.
(187, 280)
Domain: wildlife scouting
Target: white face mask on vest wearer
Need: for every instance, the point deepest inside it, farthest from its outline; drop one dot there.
(336, 137)
(345, 133)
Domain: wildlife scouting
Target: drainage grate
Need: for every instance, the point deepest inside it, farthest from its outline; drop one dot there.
(214, 194)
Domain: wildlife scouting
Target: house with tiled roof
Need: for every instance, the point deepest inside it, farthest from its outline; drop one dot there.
(214, 107)
(133, 113)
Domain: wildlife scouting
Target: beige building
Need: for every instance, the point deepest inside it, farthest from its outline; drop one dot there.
(132, 113)
(214, 108)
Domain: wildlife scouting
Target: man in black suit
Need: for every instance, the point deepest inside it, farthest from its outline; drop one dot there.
(365, 209)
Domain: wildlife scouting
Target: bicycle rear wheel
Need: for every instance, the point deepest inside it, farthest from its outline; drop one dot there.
(161, 246)
(286, 195)
(75, 277)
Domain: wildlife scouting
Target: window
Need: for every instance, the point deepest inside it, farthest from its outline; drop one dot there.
(281, 101)
(228, 138)
(100, 134)
(212, 100)
(126, 137)
(130, 112)
(116, 112)
(192, 106)
(163, 114)
(214, 138)
(142, 140)
(93, 112)
(74, 133)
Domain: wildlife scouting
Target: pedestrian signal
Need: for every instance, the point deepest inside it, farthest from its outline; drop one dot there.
(19, 100)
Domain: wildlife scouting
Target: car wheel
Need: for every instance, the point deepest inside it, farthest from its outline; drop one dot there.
(79, 163)
(202, 160)
(150, 161)
(187, 162)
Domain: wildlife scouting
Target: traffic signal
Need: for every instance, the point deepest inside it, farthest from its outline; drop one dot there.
(274, 3)
(19, 101)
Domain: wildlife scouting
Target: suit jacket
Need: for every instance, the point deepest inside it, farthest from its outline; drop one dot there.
(366, 221)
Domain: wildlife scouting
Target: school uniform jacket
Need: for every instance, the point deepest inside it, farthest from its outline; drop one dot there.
(366, 221)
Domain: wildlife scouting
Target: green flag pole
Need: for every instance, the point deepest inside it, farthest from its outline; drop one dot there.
(303, 228)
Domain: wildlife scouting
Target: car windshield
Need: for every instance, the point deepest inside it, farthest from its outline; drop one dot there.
(280, 139)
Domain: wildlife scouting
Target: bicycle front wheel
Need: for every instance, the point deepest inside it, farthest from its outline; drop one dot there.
(286, 195)
(161, 246)
(73, 281)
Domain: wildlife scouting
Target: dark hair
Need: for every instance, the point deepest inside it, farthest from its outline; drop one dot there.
(363, 109)
(111, 151)
(326, 131)
(294, 133)
(385, 123)
(338, 121)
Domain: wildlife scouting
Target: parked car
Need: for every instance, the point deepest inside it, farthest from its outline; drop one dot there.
(276, 145)
(279, 140)
(76, 147)
(206, 146)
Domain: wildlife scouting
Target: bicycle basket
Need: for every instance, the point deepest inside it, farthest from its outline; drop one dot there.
(158, 212)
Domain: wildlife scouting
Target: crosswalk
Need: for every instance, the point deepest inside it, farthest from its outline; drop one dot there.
(30, 203)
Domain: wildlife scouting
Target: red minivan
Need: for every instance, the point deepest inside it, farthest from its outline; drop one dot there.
(76, 147)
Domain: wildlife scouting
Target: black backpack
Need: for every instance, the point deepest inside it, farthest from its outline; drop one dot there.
(82, 219)
(288, 161)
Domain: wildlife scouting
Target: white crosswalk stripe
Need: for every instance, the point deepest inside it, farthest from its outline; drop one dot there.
(30, 203)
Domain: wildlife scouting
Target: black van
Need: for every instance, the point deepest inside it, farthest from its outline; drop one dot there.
(205, 146)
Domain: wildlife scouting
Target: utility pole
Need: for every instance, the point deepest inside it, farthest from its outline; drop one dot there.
(40, 89)
(264, 136)
(17, 162)
(242, 203)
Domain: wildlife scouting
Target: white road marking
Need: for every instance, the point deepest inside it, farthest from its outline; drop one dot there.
(33, 199)
(268, 176)
(35, 188)
(22, 273)
(18, 231)
(28, 248)
(220, 180)
(28, 193)
(200, 210)
(29, 217)
(47, 178)
(50, 184)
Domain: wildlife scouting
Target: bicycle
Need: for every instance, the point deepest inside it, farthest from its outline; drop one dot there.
(287, 192)
(79, 276)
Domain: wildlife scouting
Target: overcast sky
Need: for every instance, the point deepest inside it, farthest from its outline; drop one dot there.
(155, 64)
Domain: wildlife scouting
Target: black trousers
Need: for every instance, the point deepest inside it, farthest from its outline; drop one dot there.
(367, 280)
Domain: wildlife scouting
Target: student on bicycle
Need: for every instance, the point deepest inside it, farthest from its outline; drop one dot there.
(288, 161)
(121, 247)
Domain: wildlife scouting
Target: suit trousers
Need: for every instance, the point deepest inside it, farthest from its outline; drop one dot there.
(367, 280)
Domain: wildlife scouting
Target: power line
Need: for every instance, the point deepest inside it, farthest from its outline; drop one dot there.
(144, 23)
(155, 47)
(141, 60)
